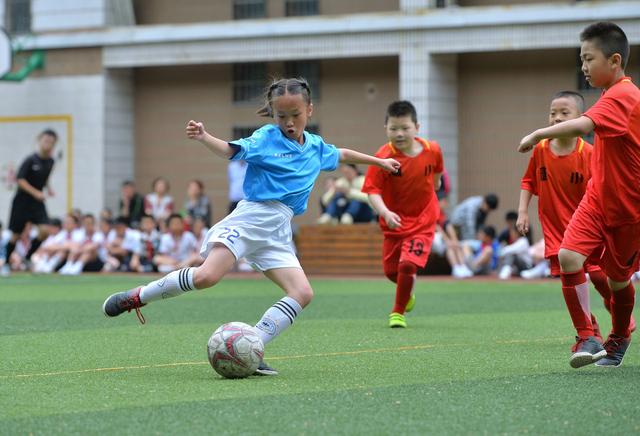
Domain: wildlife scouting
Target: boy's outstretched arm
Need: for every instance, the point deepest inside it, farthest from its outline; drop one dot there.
(567, 129)
(354, 157)
(196, 131)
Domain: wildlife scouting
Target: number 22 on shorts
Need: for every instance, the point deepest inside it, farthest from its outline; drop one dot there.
(229, 234)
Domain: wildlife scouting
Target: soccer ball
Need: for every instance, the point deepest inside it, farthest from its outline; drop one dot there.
(235, 350)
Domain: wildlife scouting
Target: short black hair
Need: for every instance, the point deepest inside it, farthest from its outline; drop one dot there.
(49, 132)
(89, 216)
(609, 38)
(122, 220)
(55, 222)
(490, 231)
(576, 96)
(401, 108)
(174, 216)
(492, 201)
(512, 215)
(128, 183)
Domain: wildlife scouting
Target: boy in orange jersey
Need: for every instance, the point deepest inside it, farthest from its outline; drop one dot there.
(609, 212)
(406, 203)
(558, 173)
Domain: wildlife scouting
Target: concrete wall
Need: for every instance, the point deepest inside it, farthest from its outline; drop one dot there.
(55, 15)
(191, 11)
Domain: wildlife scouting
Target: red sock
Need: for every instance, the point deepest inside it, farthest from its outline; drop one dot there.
(576, 295)
(621, 307)
(406, 277)
(599, 280)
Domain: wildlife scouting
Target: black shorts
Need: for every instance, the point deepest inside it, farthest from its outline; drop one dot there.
(25, 210)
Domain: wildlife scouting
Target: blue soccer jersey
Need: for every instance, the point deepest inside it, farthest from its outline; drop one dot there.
(280, 168)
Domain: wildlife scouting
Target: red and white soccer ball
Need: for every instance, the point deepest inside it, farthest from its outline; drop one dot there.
(235, 350)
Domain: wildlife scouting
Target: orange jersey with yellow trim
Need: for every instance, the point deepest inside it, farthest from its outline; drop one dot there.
(410, 193)
(560, 183)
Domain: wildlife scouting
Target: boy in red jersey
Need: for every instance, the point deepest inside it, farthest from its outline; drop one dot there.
(406, 203)
(558, 172)
(609, 212)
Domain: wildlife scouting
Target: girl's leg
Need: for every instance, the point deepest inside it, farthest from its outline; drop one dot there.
(281, 315)
(219, 261)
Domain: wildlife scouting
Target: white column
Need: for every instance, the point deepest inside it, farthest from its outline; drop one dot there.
(430, 83)
(119, 146)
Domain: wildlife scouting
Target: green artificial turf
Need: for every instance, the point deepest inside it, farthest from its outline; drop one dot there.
(477, 358)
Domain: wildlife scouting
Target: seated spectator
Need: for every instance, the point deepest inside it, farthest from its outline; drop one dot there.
(349, 204)
(55, 252)
(159, 204)
(178, 248)
(541, 266)
(197, 204)
(18, 259)
(514, 257)
(40, 257)
(5, 236)
(199, 230)
(84, 250)
(142, 260)
(454, 252)
(470, 215)
(328, 193)
(122, 242)
(480, 254)
(510, 220)
(131, 204)
(106, 214)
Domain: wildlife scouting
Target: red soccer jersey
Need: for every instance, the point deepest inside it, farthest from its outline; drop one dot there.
(614, 187)
(410, 193)
(559, 182)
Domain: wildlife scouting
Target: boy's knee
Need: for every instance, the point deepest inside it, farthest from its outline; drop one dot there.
(570, 261)
(407, 268)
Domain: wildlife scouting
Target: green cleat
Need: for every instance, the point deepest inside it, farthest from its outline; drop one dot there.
(396, 320)
(411, 304)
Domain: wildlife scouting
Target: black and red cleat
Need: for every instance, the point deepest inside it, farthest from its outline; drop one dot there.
(586, 351)
(124, 302)
(615, 346)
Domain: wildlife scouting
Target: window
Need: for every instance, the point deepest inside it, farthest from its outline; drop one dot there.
(244, 9)
(313, 128)
(309, 70)
(295, 8)
(248, 81)
(583, 85)
(18, 16)
(240, 132)
(441, 3)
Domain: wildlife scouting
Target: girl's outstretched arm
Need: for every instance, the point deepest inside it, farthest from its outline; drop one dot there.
(196, 131)
(354, 157)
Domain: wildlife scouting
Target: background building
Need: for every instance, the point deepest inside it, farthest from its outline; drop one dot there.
(123, 77)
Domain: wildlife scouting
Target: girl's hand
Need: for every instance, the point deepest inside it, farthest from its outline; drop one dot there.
(391, 165)
(195, 130)
(391, 218)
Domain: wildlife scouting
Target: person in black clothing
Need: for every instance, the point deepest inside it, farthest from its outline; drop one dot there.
(131, 204)
(29, 202)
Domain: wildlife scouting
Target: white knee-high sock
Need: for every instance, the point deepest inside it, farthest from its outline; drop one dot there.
(173, 284)
(277, 318)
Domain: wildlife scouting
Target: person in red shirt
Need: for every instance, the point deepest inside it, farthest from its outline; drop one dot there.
(406, 203)
(609, 212)
(558, 173)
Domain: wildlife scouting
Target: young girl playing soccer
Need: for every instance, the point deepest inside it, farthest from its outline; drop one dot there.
(283, 164)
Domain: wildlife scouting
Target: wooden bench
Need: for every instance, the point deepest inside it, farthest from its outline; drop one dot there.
(349, 249)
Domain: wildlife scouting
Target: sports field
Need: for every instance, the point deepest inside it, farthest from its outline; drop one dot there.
(478, 358)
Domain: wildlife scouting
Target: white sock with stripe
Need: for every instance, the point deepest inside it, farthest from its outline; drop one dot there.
(173, 284)
(277, 319)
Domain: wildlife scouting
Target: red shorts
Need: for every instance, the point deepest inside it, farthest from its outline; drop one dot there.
(414, 249)
(586, 232)
(591, 264)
